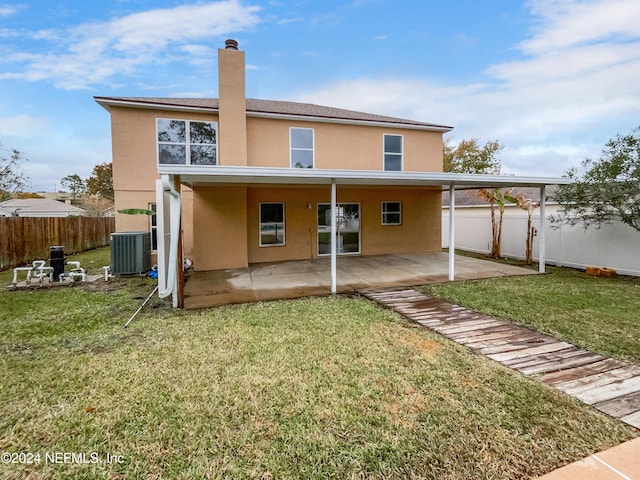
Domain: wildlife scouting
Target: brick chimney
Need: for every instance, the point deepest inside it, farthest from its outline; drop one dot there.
(232, 124)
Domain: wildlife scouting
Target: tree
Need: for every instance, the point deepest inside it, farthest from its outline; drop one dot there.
(100, 182)
(12, 178)
(529, 206)
(95, 205)
(495, 196)
(469, 157)
(75, 184)
(23, 195)
(608, 189)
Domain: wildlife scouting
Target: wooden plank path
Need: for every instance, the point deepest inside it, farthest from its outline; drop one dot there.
(611, 386)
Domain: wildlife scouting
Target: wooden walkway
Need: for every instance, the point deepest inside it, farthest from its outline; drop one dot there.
(611, 386)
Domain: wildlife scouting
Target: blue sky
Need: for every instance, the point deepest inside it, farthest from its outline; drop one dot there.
(552, 80)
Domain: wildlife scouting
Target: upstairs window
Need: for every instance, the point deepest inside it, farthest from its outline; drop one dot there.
(301, 141)
(391, 213)
(185, 142)
(392, 153)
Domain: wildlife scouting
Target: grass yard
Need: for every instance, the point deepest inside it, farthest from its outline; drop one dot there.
(599, 314)
(311, 388)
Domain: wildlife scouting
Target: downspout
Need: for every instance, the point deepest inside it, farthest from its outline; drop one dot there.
(175, 210)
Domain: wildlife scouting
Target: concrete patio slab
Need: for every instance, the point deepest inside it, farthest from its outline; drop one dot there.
(617, 463)
(301, 278)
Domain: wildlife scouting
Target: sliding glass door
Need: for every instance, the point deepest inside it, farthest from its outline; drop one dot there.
(348, 228)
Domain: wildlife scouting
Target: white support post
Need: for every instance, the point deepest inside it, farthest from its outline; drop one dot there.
(452, 231)
(334, 228)
(541, 235)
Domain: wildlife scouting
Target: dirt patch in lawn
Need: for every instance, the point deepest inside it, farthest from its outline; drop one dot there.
(409, 337)
(428, 348)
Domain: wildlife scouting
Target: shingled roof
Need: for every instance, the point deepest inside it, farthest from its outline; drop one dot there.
(269, 107)
(27, 207)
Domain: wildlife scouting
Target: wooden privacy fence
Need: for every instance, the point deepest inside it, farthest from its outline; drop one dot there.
(24, 239)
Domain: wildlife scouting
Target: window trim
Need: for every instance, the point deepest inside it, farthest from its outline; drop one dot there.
(187, 143)
(312, 149)
(384, 152)
(284, 225)
(383, 213)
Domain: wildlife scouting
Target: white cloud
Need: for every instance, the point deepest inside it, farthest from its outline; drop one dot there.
(51, 158)
(22, 126)
(566, 23)
(8, 10)
(95, 53)
(156, 28)
(575, 87)
(286, 21)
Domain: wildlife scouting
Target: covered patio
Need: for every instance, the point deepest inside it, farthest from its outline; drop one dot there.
(301, 278)
(307, 277)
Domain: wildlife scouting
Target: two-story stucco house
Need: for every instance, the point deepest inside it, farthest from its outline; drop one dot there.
(258, 180)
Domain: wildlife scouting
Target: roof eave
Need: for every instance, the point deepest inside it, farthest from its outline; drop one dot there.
(370, 123)
(107, 102)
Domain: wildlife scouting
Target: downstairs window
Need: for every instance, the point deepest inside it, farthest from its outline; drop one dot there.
(391, 213)
(271, 224)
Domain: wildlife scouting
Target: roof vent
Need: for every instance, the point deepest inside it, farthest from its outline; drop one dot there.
(231, 44)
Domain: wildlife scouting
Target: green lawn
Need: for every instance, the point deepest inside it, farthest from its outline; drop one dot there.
(332, 387)
(600, 314)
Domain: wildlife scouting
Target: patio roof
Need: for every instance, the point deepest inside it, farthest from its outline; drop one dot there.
(202, 175)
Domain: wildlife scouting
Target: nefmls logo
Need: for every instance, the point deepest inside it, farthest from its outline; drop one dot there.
(72, 457)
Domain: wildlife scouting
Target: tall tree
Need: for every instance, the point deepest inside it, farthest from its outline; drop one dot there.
(12, 178)
(471, 157)
(496, 197)
(607, 189)
(528, 205)
(101, 181)
(75, 184)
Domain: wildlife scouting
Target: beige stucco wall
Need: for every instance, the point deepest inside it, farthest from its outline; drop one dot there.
(134, 168)
(419, 232)
(219, 227)
(134, 145)
(341, 146)
(337, 146)
(233, 126)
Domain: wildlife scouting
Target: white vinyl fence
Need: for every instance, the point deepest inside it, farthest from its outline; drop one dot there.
(615, 246)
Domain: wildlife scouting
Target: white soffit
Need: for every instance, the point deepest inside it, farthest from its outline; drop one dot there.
(203, 175)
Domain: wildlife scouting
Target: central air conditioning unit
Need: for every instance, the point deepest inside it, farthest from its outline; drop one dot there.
(130, 252)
